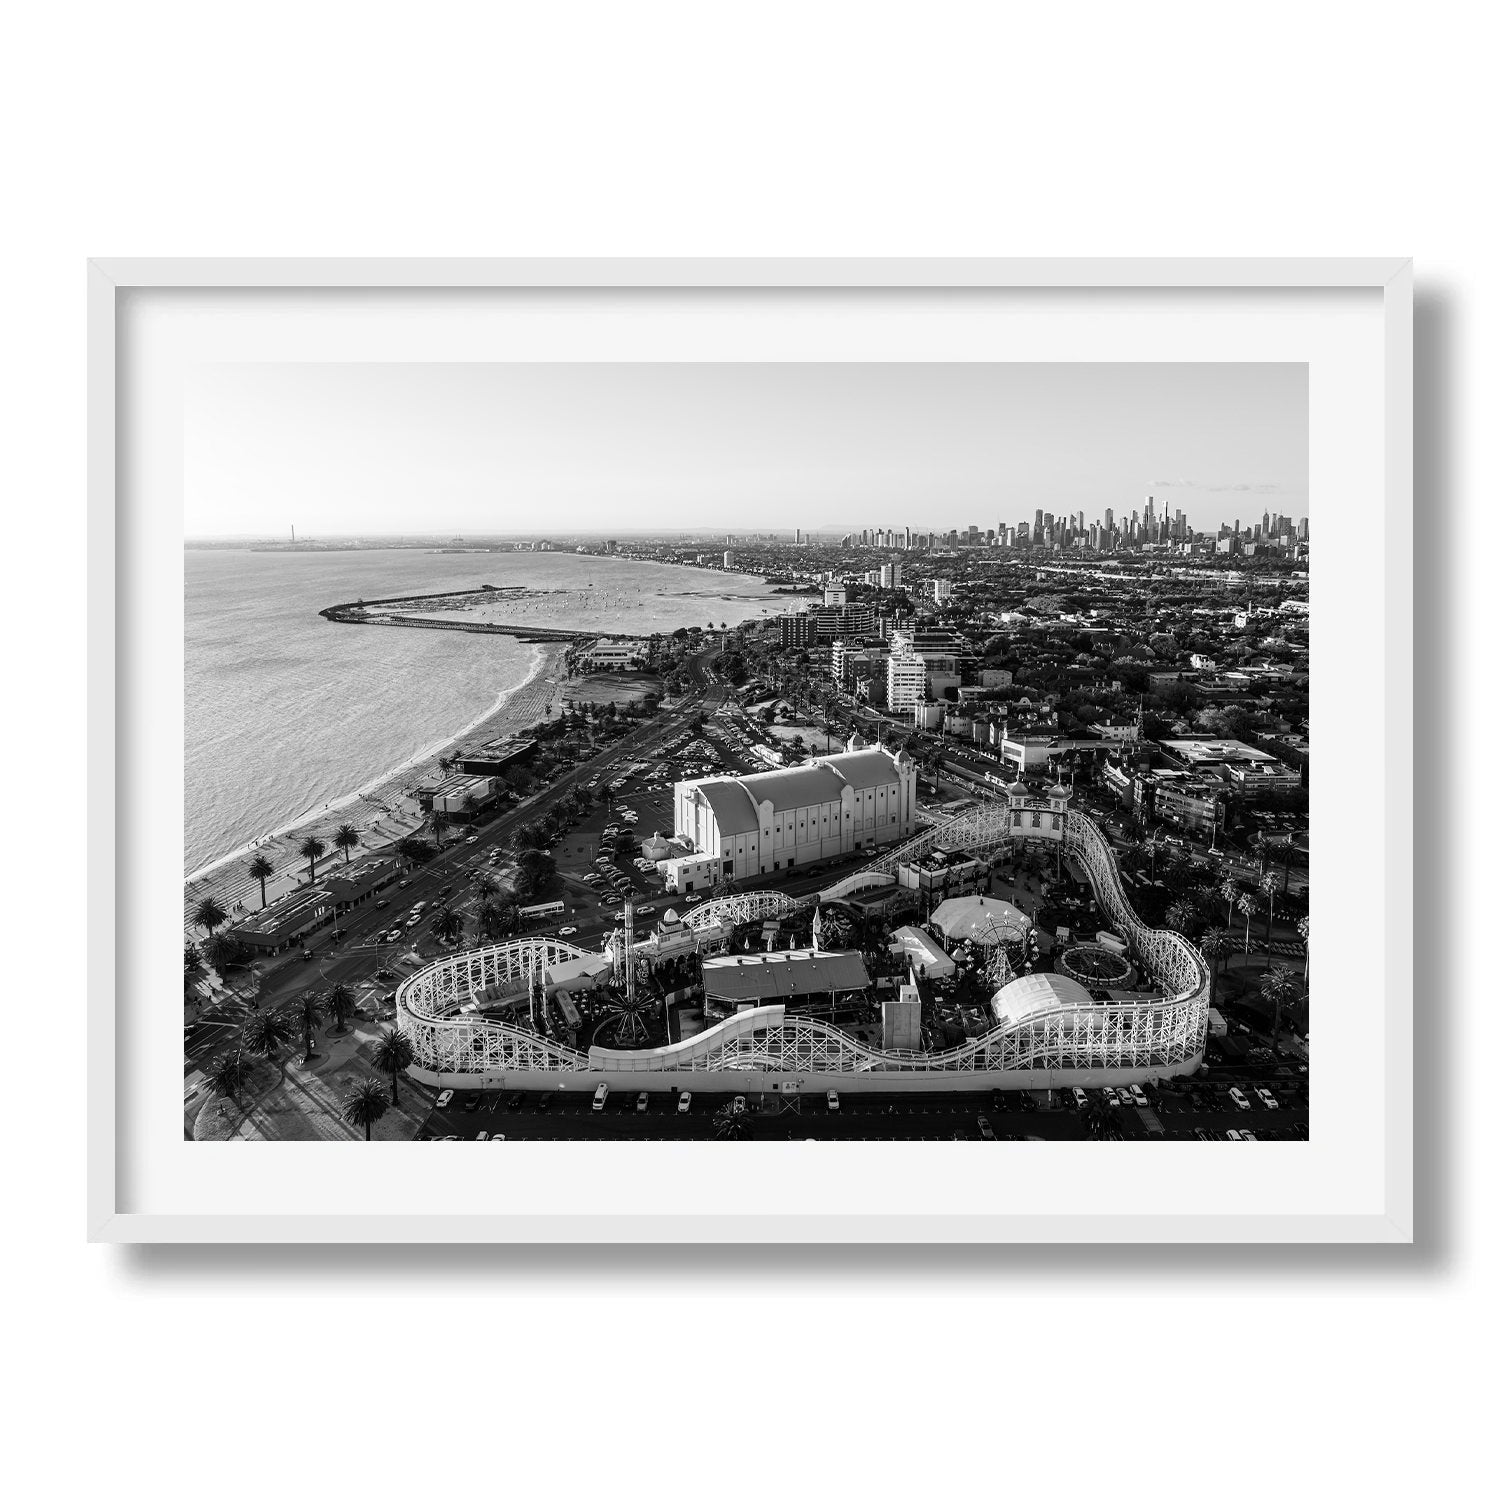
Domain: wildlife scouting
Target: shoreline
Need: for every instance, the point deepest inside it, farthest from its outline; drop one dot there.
(389, 785)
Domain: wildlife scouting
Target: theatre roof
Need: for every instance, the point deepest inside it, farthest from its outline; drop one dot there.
(735, 800)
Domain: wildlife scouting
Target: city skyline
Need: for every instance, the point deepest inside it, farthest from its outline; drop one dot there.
(381, 450)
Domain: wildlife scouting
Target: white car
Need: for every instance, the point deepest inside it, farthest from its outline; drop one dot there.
(1240, 1101)
(1110, 1097)
(833, 1101)
(1138, 1094)
(483, 1135)
(1080, 1098)
(1267, 1098)
(566, 931)
(684, 1103)
(444, 1099)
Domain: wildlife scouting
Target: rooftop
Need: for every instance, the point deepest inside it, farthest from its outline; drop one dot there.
(1214, 751)
(760, 977)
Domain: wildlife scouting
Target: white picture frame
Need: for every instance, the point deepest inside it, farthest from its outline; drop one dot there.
(1380, 1148)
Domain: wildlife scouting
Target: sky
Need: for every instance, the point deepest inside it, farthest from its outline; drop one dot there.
(533, 449)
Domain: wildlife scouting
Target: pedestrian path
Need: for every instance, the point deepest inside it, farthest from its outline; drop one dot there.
(238, 893)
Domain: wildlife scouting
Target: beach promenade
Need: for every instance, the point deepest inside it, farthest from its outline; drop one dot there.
(382, 814)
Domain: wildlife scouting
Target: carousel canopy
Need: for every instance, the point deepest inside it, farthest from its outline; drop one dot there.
(980, 919)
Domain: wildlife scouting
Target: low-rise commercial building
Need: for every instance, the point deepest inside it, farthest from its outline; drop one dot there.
(284, 921)
(492, 757)
(358, 881)
(615, 656)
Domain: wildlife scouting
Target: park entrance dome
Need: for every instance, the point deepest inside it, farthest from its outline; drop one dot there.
(1034, 995)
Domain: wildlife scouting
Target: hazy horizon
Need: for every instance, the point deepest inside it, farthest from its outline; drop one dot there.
(493, 450)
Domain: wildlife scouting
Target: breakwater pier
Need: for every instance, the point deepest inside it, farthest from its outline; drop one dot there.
(392, 612)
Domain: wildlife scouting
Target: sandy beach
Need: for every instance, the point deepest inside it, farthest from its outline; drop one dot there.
(383, 811)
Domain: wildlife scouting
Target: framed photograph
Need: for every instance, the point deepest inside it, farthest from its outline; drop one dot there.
(785, 750)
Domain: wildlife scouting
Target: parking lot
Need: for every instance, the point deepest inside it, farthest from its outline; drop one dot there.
(1180, 1113)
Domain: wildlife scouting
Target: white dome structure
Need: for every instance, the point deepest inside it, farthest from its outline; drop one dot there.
(980, 919)
(1034, 995)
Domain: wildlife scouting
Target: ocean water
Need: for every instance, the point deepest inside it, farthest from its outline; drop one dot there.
(285, 712)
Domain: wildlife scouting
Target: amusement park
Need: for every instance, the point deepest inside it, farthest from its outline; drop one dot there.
(870, 984)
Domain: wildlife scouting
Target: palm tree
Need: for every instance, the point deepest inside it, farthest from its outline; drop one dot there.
(1183, 916)
(1269, 885)
(497, 919)
(192, 962)
(312, 850)
(1278, 985)
(1229, 889)
(267, 1032)
(366, 1105)
(227, 1074)
(393, 1055)
(1304, 931)
(346, 838)
(1213, 945)
(340, 1006)
(210, 914)
(1103, 1122)
(311, 1011)
(449, 925)
(262, 870)
(731, 1124)
(439, 823)
(1249, 905)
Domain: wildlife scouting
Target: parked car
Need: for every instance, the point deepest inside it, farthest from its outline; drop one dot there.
(833, 1101)
(444, 1099)
(684, 1102)
(1240, 1101)
(483, 1135)
(1080, 1098)
(600, 1095)
(1267, 1098)
(986, 1130)
(642, 1102)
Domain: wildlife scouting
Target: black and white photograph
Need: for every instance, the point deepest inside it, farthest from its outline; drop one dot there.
(746, 752)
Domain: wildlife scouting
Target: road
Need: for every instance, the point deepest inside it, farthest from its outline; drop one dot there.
(353, 958)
